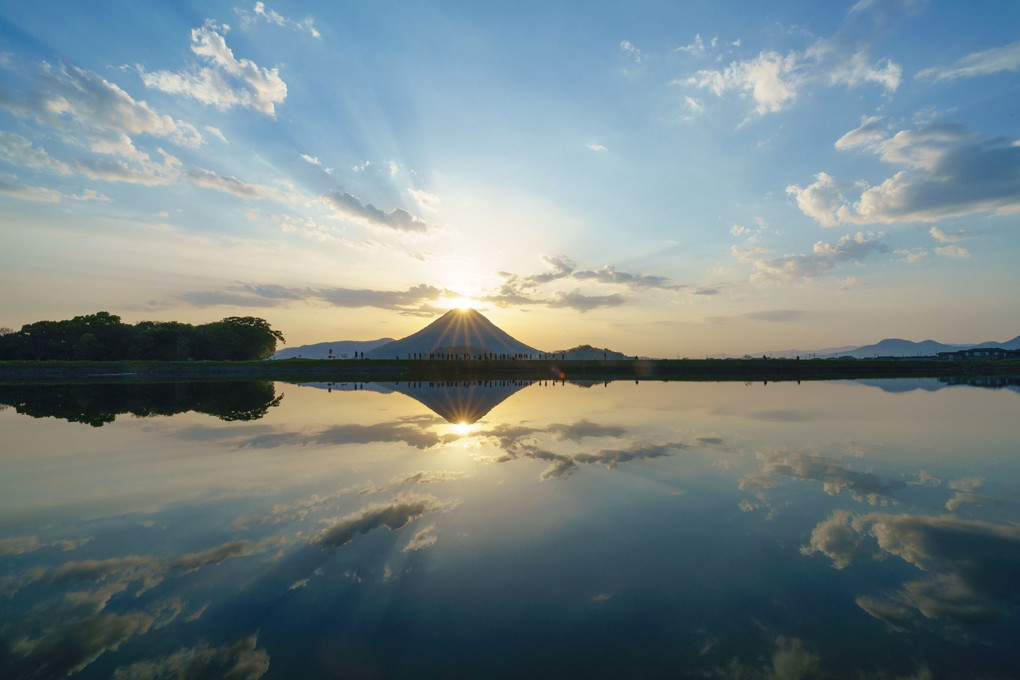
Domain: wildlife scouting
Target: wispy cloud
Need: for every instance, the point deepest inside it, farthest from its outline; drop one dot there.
(260, 12)
(348, 206)
(821, 261)
(994, 60)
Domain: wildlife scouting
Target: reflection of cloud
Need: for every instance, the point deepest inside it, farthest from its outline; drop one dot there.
(20, 545)
(863, 486)
(837, 540)
(393, 515)
(970, 566)
(420, 477)
(239, 661)
(790, 661)
(519, 441)
(425, 538)
(348, 434)
(68, 633)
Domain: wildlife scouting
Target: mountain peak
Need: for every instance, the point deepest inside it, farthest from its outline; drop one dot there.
(458, 331)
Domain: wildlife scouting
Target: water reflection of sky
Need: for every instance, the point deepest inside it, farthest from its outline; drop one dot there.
(652, 529)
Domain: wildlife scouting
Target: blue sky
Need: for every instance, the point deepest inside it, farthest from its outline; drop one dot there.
(667, 179)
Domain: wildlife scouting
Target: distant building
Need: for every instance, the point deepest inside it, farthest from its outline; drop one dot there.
(979, 353)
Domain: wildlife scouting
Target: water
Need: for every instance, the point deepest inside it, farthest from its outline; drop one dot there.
(824, 529)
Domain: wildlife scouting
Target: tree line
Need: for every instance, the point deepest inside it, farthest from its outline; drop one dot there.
(104, 337)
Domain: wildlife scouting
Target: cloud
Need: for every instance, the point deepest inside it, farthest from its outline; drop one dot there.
(774, 80)
(953, 251)
(696, 48)
(219, 554)
(29, 193)
(425, 199)
(338, 435)
(597, 148)
(424, 538)
(262, 13)
(821, 261)
(393, 515)
(835, 479)
(19, 545)
(994, 60)
(584, 429)
(231, 185)
(17, 150)
(412, 301)
(524, 290)
(943, 237)
(580, 302)
(349, 206)
(946, 172)
(630, 51)
(241, 660)
(968, 566)
(224, 82)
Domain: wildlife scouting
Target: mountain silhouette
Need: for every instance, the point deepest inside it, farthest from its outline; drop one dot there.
(459, 331)
(462, 404)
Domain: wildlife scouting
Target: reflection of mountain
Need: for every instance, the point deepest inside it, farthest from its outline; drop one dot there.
(462, 403)
(932, 384)
(99, 403)
(459, 331)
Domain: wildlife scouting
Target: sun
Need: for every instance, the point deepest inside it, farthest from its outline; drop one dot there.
(462, 303)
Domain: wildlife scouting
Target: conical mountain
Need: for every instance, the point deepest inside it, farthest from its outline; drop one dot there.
(459, 331)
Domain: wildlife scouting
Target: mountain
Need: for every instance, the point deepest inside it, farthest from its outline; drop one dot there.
(321, 350)
(892, 347)
(459, 331)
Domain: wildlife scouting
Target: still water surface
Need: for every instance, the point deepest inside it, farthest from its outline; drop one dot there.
(865, 529)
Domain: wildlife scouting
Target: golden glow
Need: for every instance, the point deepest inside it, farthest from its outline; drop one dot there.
(462, 303)
(462, 429)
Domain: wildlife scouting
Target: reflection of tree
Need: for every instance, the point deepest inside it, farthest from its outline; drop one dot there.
(99, 403)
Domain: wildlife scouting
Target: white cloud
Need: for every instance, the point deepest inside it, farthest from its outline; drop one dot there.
(215, 131)
(953, 251)
(263, 13)
(231, 185)
(425, 199)
(773, 80)
(631, 51)
(696, 48)
(1004, 58)
(17, 150)
(311, 159)
(597, 147)
(943, 237)
(225, 81)
(770, 78)
(821, 261)
(821, 200)
(947, 172)
(95, 113)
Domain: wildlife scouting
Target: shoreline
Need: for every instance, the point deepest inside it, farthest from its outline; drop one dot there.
(297, 370)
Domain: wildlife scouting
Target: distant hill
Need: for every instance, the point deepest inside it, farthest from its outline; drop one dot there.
(321, 350)
(588, 352)
(890, 347)
(459, 331)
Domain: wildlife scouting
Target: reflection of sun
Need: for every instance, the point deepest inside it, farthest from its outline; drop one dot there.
(463, 429)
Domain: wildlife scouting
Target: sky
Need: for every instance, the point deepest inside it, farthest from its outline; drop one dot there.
(664, 179)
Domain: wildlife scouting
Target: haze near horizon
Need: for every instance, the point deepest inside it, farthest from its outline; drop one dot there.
(671, 179)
